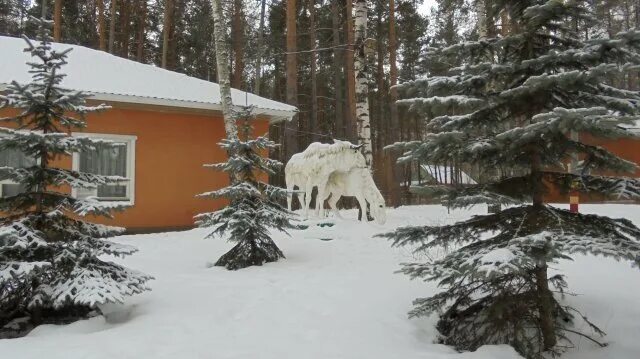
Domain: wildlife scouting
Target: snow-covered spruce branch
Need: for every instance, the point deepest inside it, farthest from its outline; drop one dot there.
(616, 188)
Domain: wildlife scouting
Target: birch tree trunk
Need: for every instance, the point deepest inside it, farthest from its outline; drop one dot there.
(258, 81)
(112, 26)
(361, 73)
(222, 62)
(102, 29)
(57, 21)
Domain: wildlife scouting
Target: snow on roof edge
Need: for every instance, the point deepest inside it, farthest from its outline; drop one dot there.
(275, 115)
(128, 81)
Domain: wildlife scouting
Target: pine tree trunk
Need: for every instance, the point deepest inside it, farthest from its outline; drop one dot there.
(246, 254)
(394, 134)
(313, 119)
(377, 123)
(112, 25)
(490, 21)
(337, 72)
(504, 19)
(379, 133)
(607, 8)
(627, 15)
(260, 54)
(43, 9)
(44, 163)
(545, 308)
(166, 31)
(57, 21)
(291, 128)
(237, 29)
(224, 80)
(126, 28)
(142, 22)
(631, 76)
(350, 73)
(545, 305)
(393, 68)
(361, 74)
(93, 19)
(102, 29)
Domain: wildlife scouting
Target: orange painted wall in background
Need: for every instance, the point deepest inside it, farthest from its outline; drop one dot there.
(171, 148)
(626, 148)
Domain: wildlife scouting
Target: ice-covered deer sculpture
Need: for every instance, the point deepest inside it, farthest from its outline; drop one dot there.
(357, 183)
(295, 177)
(312, 168)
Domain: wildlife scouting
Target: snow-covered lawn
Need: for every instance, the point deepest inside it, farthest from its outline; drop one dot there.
(328, 299)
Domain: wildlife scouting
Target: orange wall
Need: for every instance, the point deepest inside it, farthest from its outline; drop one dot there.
(170, 151)
(626, 148)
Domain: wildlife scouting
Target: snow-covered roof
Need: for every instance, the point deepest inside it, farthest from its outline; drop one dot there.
(111, 78)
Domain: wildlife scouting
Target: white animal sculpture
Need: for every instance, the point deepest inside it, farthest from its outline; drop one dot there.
(357, 183)
(313, 166)
(295, 177)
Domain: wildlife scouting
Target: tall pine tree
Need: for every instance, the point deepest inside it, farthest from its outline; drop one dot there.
(254, 204)
(50, 257)
(513, 102)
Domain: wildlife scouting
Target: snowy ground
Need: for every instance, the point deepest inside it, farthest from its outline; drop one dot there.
(328, 299)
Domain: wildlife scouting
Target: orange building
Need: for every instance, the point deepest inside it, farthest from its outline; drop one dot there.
(626, 148)
(169, 125)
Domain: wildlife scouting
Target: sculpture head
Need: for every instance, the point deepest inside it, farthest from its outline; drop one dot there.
(348, 155)
(372, 194)
(378, 211)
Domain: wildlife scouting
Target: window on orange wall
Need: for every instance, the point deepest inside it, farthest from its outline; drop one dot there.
(16, 159)
(115, 159)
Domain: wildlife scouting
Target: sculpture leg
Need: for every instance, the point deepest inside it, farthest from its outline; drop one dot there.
(307, 198)
(322, 187)
(363, 207)
(333, 202)
(289, 195)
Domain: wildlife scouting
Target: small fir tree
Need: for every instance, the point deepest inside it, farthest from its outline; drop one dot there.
(254, 206)
(50, 258)
(514, 102)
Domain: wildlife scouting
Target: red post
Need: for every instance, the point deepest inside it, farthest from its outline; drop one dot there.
(574, 197)
(574, 201)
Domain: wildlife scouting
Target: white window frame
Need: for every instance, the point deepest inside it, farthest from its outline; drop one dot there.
(3, 182)
(130, 140)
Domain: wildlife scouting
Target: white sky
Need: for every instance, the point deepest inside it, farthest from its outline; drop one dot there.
(426, 6)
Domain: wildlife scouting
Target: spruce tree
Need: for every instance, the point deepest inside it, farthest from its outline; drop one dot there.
(254, 205)
(514, 102)
(51, 259)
